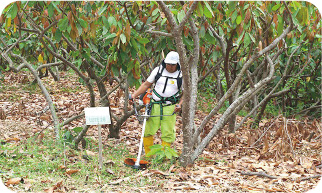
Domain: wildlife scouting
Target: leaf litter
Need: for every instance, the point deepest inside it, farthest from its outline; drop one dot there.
(281, 155)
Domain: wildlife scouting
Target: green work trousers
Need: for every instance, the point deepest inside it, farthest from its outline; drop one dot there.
(167, 124)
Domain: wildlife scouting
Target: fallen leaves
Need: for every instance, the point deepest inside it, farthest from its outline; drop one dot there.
(283, 155)
(15, 139)
(14, 181)
(2, 114)
(71, 171)
(150, 172)
(58, 187)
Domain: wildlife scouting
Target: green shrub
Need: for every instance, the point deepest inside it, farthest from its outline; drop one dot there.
(162, 152)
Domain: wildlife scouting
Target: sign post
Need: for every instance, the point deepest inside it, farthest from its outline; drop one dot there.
(98, 116)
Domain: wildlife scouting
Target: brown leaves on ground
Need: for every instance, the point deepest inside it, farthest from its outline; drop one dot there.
(72, 171)
(2, 114)
(58, 187)
(14, 181)
(281, 155)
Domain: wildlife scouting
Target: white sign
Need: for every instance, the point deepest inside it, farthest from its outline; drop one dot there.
(97, 115)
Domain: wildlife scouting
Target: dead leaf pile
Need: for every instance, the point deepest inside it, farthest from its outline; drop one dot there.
(281, 155)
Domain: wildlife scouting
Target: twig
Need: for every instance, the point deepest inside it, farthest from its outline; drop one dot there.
(311, 136)
(262, 135)
(159, 33)
(310, 177)
(288, 135)
(261, 174)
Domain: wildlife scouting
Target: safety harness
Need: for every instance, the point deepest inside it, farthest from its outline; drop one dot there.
(163, 100)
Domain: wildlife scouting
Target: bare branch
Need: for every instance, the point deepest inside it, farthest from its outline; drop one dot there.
(261, 174)
(220, 39)
(49, 65)
(159, 33)
(168, 14)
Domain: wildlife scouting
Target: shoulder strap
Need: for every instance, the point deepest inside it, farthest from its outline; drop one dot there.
(179, 80)
(159, 74)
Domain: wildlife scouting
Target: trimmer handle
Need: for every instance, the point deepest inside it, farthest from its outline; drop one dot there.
(147, 97)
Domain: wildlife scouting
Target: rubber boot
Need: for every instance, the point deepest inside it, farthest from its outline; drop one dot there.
(165, 144)
(147, 143)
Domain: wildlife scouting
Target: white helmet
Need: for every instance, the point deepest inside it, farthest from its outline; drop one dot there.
(172, 58)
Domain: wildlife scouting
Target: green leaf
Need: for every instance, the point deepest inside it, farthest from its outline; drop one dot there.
(207, 10)
(240, 38)
(231, 6)
(93, 47)
(105, 31)
(144, 40)
(163, 21)
(134, 44)
(63, 24)
(168, 154)
(296, 5)
(112, 21)
(238, 20)
(112, 35)
(156, 146)
(280, 26)
(247, 39)
(78, 129)
(303, 15)
(83, 23)
(55, 3)
(13, 10)
(159, 156)
(252, 38)
(155, 12)
(123, 38)
(115, 71)
(102, 10)
(181, 15)
(79, 29)
(51, 10)
(199, 9)
(174, 11)
(210, 39)
(276, 7)
(130, 66)
(58, 35)
(259, 9)
(67, 135)
(234, 16)
(152, 152)
(173, 152)
(202, 31)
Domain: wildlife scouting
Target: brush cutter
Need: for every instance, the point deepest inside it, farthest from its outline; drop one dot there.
(138, 163)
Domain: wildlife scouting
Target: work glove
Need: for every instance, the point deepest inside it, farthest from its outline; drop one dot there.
(177, 108)
(130, 97)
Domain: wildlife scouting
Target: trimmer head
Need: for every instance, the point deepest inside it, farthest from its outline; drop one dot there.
(131, 163)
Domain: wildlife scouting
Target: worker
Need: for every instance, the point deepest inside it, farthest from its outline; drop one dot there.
(167, 78)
